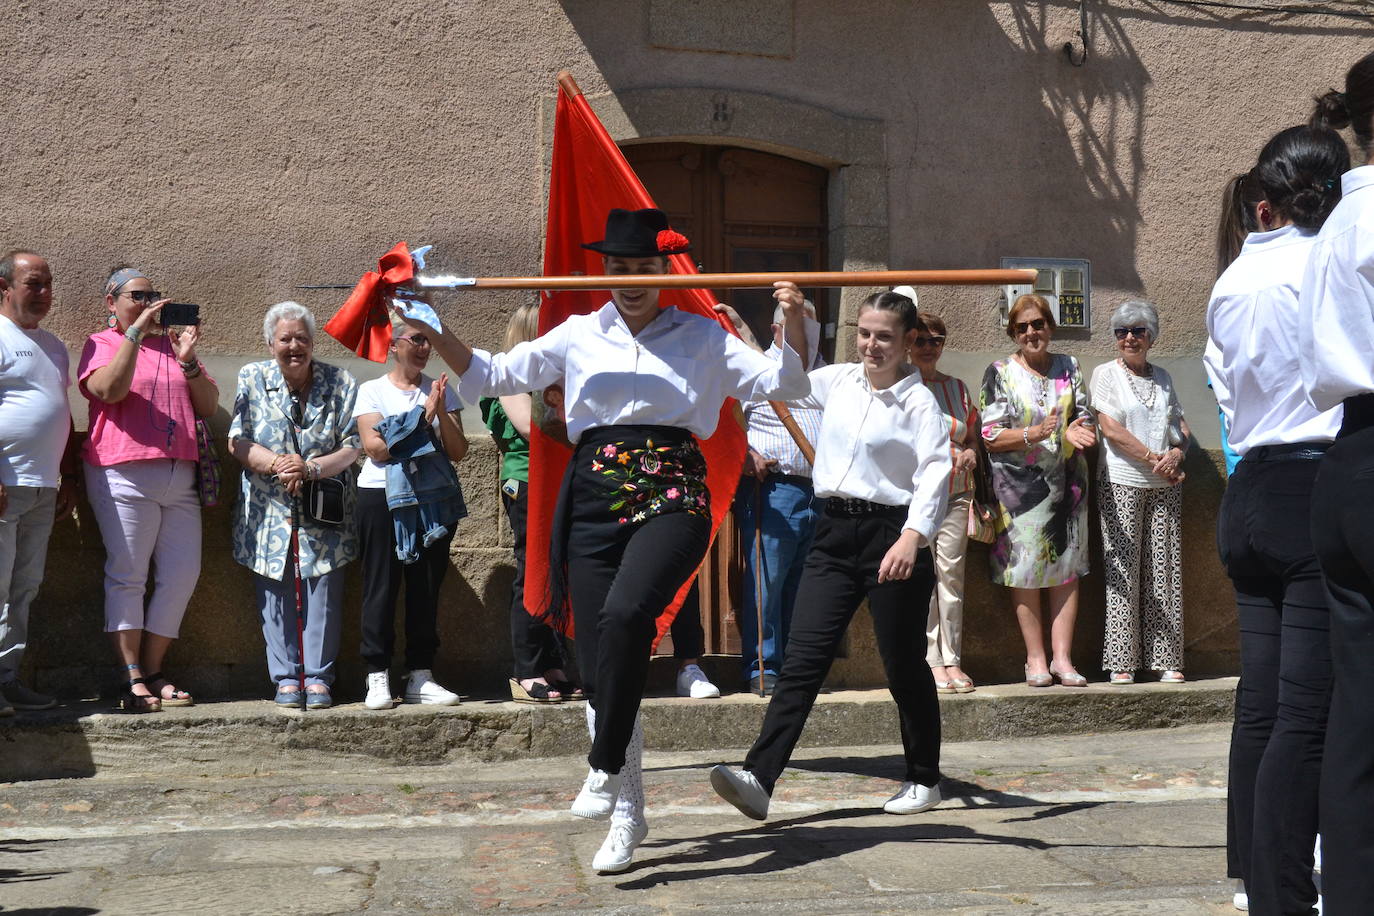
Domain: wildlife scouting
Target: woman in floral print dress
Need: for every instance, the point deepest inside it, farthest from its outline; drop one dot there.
(1034, 409)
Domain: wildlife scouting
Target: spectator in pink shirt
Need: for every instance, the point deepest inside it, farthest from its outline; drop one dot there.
(146, 389)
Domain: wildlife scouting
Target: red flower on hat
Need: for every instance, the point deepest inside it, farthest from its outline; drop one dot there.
(668, 240)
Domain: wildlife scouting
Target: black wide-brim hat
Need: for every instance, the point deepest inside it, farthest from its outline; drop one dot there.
(639, 234)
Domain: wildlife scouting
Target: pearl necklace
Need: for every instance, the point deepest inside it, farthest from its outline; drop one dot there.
(1042, 382)
(1150, 387)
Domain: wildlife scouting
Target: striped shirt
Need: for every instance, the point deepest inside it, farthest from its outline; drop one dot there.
(962, 417)
(770, 438)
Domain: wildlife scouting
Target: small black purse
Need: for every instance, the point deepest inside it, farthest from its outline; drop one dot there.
(322, 500)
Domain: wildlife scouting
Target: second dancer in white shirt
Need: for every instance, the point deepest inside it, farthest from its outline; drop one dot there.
(881, 475)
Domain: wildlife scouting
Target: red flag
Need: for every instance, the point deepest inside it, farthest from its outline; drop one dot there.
(590, 177)
(362, 323)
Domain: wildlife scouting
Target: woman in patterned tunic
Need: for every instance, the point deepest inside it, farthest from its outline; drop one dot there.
(293, 422)
(1035, 422)
(1144, 437)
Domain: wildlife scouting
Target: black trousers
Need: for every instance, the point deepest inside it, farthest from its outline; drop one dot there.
(382, 577)
(1342, 503)
(1285, 684)
(617, 597)
(841, 569)
(535, 647)
(689, 637)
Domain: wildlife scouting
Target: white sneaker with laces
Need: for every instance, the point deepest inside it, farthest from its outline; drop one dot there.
(379, 691)
(693, 682)
(422, 688)
(1240, 899)
(741, 789)
(597, 798)
(913, 799)
(619, 847)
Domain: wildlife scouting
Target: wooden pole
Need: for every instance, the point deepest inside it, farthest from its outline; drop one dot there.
(569, 85)
(827, 278)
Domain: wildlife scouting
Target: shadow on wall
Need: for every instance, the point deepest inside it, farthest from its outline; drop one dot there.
(1057, 150)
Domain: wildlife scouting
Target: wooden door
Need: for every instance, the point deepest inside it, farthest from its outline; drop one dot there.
(744, 211)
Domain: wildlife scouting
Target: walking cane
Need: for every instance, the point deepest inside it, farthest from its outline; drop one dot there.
(300, 612)
(758, 576)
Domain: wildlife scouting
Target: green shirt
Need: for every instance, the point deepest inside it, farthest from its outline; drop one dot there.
(515, 451)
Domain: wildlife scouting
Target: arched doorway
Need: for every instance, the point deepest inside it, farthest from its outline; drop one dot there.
(744, 211)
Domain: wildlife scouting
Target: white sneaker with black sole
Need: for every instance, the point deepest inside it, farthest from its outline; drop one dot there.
(422, 688)
(379, 691)
(741, 789)
(913, 799)
(619, 847)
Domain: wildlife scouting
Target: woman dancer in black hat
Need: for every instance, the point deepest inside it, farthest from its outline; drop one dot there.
(634, 514)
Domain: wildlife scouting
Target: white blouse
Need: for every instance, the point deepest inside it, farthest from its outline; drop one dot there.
(677, 372)
(1253, 355)
(1145, 407)
(1336, 310)
(888, 446)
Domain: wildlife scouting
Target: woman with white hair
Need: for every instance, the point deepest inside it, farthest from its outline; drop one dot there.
(293, 424)
(1140, 502)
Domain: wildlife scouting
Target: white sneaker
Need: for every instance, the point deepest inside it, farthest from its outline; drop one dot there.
(693, 682)
(1240, 899)
(379, 691)
(619, 847)
(741, 789)
(913, 799)
(597, 798)
(422, 688)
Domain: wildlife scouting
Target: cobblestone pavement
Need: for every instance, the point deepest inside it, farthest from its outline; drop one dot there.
(1122, 823)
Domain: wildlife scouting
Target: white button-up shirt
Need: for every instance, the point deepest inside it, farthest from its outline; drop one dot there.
(1336, 312)
(888, 446)
(1253, 355)
(676, 372)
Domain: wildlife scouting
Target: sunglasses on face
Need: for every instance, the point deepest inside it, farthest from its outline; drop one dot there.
(930, 341)
(1138, 333)
(1035, 324)
(143, 295)
(416, 340)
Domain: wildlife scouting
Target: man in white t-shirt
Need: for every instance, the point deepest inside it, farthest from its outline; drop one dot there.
(35, 427)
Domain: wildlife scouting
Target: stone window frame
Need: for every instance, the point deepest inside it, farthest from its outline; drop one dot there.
(852, 149)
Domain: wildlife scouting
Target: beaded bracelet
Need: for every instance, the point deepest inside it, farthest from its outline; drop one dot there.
(1025, 435)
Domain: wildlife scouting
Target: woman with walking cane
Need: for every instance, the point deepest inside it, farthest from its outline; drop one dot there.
(641, 384)
(294, 434)
(882, 470)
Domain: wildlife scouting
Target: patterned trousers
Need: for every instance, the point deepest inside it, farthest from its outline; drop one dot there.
(1144, 565)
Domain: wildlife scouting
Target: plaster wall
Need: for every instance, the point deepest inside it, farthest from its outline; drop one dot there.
(235, 152)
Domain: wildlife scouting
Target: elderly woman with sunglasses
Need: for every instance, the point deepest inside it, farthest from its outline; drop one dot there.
(1036, 426)
(146, 390)
(1140, 503)
(399, 392)
(944, 626)
(293, 423)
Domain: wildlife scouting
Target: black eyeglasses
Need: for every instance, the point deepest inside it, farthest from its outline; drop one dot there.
(930, 341)
(143, 295)
(1038, 324)
(1122, 333)
(416, 340)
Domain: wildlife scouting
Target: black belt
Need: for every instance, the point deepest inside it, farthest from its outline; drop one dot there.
(1358, 414)
(1289, 451)
(851, 508)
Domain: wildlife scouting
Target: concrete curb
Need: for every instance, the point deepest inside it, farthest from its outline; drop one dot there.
(253, 737)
